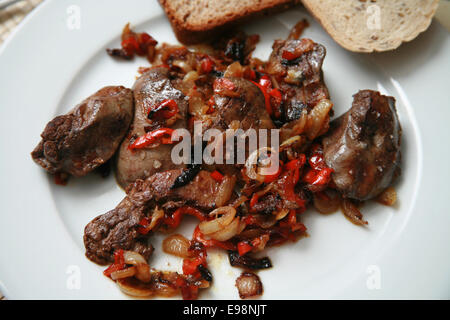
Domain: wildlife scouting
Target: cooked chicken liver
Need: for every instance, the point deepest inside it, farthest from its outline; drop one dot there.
(363, 146)
(117, 229)
(247, 107)
(300, 78)
(150, 89)
(88, 136)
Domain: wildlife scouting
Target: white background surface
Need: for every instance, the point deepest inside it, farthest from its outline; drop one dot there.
(46, 68)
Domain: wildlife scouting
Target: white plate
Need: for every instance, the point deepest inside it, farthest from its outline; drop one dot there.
(48, 66)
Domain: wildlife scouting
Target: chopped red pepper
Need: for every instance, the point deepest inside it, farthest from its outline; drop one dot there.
(291, 222)
(136, 43)
(265, 82)
(119, 263)
(254, 200)
(288, 55)
(304, 45)
(272, 177)
(216, 175)
(150, 137)
(226, 245)
(250, 220)
(166, 109)
(318, 178)
(277, 100)
(206, 66)
(266, 97)
(244, 247)
(223, 83)
(190, 265)
(142, 226)
(188, 292)
(175, 220)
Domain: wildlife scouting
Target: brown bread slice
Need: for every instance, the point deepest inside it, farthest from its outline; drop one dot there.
(195, 21)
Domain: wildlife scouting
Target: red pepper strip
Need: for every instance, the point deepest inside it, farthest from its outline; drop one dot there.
(142, 229)
(130, 45)
(223, 83)
(291, 222)
(316, 161)
(150, 138)
(295, 165)
(318, 178)
(119, 263)
(211, 103)
(288, 55)
(175, 220)
(250, 220)
(167, 109)
(190, 265)
(265, 82)
(266, 97)
(206, 66)
(226, 245)
(273, 177)
(277, 98)
(216, 175)
(244, 247)
(145, 41)
(249, 74)
(290, 178)
(188, 292)
(254, 200)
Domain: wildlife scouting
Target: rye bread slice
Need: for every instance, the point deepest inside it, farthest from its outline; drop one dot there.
(354, 23)
(195, 21)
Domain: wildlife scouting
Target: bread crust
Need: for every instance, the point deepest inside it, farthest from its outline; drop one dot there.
(191, 34)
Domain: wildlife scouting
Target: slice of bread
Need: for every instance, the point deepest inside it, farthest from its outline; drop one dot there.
(195, 21)
(373, 25)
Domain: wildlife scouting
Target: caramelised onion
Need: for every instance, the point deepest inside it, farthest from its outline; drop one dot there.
(191, 76)
(231, 230)
(176, 245)
(124, 273)
(352, 212)
(225, 190)
(252, 165)
(318, 118)
(142, 267)
(281, 214)
(234, 70)
(388, 197)
(249, 285)
(289, 142)
(326, 201)
(182, 65)
(228, 214)
(239, 201)
(134, 288)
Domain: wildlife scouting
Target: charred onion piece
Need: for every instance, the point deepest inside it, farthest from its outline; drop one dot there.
(249, 285)
(352, 212)
(248, 262)
(206, 274)
(187, 176)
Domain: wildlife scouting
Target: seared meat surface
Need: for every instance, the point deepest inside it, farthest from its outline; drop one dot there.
(150, 89)
(246, 106)
(363, 146)
(301, 78)
(116, 229)
(88, 136)
(203, 192)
